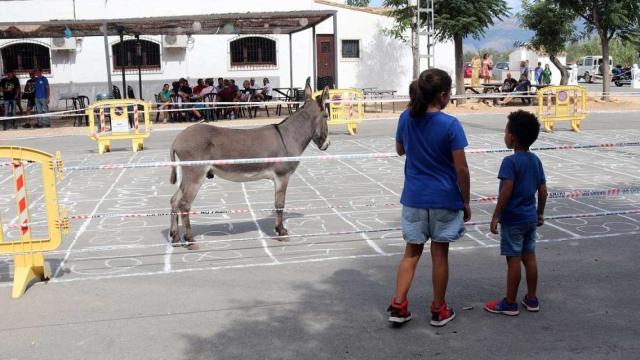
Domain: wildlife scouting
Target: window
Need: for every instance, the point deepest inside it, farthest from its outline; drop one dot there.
(351, 49)
(253, 51)
(147, 56)
(25, 57)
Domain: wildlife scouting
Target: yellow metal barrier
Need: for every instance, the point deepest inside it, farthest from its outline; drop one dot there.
(562, 103)
(28, 257)
(118, 111)
(351, 113)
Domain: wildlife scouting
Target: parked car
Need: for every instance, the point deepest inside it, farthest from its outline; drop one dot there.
(498, 68)
(588, 67)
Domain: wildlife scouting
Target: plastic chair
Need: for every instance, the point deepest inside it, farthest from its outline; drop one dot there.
(80, 103)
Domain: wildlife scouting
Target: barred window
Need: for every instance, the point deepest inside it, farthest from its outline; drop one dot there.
(147, 56)
(253, 50)
(25, 57)
(351, 49)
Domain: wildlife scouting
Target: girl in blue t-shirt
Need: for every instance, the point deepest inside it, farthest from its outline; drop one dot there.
(435, 196)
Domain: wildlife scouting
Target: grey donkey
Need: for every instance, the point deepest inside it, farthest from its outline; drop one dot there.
(206, 142)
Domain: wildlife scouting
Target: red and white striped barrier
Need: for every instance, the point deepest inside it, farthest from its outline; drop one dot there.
(103, 125)
(135, 117)
(21, 199)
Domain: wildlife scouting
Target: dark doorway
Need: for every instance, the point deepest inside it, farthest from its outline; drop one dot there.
(325, 48)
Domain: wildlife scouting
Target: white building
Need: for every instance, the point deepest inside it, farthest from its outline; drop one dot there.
(523, 54)
(350, 47)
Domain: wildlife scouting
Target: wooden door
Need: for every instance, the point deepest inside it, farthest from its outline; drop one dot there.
(325, 50)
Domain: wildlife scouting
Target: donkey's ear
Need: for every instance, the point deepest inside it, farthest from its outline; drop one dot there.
(322, 99)
(308, 91)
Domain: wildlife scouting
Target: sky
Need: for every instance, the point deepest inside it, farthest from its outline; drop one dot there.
(495, 36)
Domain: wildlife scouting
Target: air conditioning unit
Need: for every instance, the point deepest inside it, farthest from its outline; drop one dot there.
(174, 41)
(63, 44)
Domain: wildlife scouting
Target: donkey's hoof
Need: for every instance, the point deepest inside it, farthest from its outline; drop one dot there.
(176, 244)
(283, 233)
(193, 246)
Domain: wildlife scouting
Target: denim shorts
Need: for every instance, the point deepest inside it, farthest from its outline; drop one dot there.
(517, 239)
(439, 225)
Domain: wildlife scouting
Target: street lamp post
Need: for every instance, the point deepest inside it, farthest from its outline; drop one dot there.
(139, 60)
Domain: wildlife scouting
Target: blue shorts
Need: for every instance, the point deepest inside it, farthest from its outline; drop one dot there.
(439, 225)
(517, 239)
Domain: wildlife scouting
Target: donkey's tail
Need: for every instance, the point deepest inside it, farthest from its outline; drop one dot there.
(174, 177)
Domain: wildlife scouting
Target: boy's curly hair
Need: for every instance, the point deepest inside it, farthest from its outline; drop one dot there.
(524, 126)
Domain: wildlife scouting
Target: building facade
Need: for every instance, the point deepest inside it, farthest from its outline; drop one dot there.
(366, 56)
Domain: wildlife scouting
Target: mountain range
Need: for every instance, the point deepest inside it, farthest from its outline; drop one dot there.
(501, 36)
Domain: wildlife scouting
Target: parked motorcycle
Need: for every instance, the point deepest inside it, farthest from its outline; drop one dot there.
(622, 76)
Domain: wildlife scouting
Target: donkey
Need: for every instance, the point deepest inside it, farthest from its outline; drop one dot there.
(206, 142)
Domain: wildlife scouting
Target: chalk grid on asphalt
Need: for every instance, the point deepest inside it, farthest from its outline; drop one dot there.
(235, 240)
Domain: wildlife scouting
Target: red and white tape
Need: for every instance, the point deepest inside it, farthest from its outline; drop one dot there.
(327, 157)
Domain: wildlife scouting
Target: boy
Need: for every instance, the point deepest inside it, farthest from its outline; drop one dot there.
(521, 176)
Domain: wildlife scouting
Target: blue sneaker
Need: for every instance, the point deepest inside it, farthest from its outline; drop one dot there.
(502, 307)
(531, 304)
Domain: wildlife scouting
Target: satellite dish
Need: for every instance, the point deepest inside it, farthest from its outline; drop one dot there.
(170, 39)
(59, 42)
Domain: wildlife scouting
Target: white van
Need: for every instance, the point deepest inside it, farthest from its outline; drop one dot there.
(588, 67)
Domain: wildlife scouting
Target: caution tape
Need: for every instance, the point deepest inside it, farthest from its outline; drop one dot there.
(221, 162)
(572, 194)
(325, 234)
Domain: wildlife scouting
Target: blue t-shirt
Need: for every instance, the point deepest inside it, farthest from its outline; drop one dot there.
(41, 84)
(430, 180)
(525, 170)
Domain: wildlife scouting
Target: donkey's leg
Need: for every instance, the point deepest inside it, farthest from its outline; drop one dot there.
(174, 232)
(192, 179)
(281, 182)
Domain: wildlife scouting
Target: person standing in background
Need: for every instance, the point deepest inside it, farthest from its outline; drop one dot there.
(42, 95)
(10, 86)
(476, 65)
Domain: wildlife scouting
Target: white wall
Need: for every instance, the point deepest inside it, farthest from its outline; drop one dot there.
(384, 63)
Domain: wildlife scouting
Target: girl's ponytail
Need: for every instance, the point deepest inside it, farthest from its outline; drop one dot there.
(425, 90)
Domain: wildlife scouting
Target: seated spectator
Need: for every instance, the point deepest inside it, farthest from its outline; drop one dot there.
(252, 84)
(522, 88)
(220, 85)
(229, 94)
(509, 83)
(247, 92)
(199, 87)
(266, 94)
(165, 100)
(186, 93)
(233, 84)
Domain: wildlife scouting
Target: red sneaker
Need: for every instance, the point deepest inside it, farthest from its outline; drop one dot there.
(502, 307)
(398, 313)
(442, 315)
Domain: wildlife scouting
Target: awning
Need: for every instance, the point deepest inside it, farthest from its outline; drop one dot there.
(286, 22)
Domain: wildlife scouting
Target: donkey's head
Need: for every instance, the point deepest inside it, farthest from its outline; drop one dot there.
(316, 108)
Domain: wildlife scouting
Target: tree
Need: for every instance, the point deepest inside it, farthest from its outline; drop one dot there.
(609, 19)
(553, 28)
(454, 19)
(361, 3)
